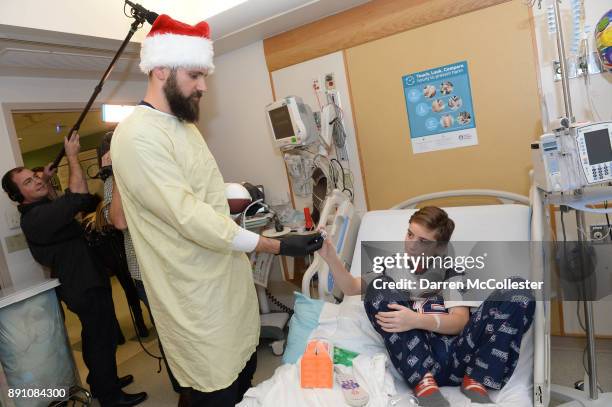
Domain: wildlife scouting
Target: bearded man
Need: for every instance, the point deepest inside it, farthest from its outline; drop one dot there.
(191, 253)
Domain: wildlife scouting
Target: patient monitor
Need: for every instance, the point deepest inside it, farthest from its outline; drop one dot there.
(573, 158)
(292, 122)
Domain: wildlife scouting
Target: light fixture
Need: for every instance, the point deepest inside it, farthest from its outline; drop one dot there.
(214, 8)
(115, 113)
(59, 127)
(192, 11)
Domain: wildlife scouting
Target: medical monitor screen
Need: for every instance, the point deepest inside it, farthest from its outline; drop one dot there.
(281, 122)
(598, 146)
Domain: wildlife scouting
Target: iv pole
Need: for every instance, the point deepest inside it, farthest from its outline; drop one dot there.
(140, 15)
(566, 394)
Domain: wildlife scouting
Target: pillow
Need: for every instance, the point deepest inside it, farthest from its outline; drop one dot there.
(305, 319)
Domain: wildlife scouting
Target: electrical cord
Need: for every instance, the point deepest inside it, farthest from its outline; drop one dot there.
(320, 199)
(243, 215)
(334, 174)
(335, 160)
(579, 316)
(126, 14)
(278, 303)
(562, 210)
(339, 134)
(131, 15)
(159, 358)
(584, 234)
(320, 156)
(120, 253)
(344, 176)
(316, 92)
(607, 217)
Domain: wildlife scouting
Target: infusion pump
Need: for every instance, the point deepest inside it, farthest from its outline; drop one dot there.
(573, 158)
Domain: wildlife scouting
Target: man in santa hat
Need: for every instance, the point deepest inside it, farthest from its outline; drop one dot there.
(191, 253)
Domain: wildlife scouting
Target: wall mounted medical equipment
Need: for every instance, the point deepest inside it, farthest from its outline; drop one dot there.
(573, 158)
(300, 166)
(328, 119)
(292, 123)
(313, 146)
(332, 132)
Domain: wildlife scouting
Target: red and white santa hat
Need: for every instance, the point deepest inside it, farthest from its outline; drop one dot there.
(174, 44)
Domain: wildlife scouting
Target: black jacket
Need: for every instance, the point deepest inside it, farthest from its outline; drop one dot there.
(57, 241)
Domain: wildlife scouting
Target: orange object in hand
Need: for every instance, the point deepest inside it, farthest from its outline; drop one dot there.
(317, 369)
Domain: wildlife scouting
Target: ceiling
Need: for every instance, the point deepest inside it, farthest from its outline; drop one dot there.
(35, 46)
(27, 51)
(38, 129)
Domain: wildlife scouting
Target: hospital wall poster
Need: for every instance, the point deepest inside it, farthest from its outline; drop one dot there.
(440, 111)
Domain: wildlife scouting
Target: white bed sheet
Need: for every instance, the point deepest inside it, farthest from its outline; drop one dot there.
(283, 389)
(347, 326)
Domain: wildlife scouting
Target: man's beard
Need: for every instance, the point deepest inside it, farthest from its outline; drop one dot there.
(184, 108)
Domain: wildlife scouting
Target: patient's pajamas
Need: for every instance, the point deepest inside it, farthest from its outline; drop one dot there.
(487, 349)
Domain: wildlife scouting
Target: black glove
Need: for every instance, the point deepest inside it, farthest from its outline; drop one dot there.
(300, 245)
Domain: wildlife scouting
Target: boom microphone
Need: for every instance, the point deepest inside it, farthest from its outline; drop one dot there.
(137, 9)
(140, 15)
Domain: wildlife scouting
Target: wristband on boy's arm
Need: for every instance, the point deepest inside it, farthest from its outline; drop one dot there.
(437, 319)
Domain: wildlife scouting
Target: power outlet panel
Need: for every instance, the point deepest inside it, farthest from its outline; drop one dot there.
(600, 233)
(13, 218)
(16, 243)
(330, 82)
(316, 85)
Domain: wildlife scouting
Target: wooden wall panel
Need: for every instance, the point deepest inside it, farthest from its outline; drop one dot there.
(368, 22)
(496, 43)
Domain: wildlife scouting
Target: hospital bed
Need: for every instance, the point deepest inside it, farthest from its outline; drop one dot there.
(346, 324)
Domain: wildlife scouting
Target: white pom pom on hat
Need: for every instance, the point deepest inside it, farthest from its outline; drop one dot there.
(174, 44)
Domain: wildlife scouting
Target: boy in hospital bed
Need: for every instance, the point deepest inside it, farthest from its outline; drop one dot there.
(431, 340)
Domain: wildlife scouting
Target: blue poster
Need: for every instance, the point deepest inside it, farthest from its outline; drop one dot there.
(440, 110)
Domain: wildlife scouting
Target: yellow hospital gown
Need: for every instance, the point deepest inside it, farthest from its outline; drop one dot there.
(200, 291)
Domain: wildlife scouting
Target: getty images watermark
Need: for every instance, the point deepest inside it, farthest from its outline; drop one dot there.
(577, 270)
(411, 264)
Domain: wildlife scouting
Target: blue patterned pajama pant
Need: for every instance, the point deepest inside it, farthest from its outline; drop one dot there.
(487, 349)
